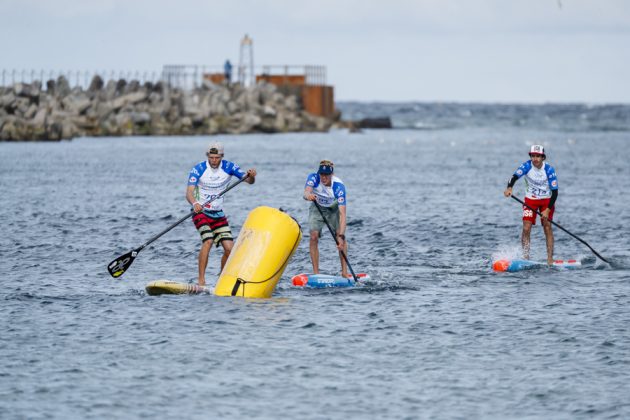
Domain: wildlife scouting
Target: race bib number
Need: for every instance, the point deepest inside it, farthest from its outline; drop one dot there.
(325, 201)
(538, 192)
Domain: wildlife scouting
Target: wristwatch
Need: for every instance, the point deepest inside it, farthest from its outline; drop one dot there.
(342, 236)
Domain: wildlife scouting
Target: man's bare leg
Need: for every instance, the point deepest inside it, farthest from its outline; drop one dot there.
(204, 252)
(314, 250)
(525, 238)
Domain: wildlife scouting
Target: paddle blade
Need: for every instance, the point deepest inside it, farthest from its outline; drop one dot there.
(117, 267)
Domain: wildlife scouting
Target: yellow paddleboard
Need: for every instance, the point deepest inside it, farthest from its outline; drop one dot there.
(167, 287)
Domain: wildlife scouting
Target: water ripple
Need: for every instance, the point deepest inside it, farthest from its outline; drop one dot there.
(434, 333)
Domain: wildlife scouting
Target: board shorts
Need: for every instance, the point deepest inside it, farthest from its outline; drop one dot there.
(213, 226)
(315, 221)
(540, 205)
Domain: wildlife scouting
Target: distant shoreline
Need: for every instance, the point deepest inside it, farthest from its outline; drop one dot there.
(31, 112)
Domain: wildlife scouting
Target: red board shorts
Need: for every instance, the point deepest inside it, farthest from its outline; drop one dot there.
(215, 228)
(540, 205)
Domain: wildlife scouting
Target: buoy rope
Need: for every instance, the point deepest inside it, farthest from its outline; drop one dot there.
(240, 281)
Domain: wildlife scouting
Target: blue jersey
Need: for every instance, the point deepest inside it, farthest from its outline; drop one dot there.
(327, 196)
(210, 182)
(540, 182)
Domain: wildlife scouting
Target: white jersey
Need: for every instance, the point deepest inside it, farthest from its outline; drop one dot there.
(540, 182)
(327, 196)
(211, 182)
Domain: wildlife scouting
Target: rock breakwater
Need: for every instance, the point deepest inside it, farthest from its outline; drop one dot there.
(121, 108)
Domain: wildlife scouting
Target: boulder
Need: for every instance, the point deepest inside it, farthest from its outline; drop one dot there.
(130, 98)
(40, 117)
(68, 129)
(96, 84)
(23, 90)
(54, 131)
(140, 117)
(76, 104)
(377, 122)
(50, 87)
(7, 100)
(62, 87)
(10, 130)
(132, 86)
(31, 111)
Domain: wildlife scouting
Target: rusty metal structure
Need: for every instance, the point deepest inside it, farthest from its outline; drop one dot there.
(307, 82)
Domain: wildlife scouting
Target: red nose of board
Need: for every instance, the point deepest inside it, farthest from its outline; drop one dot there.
(501, 265)
(300, 280)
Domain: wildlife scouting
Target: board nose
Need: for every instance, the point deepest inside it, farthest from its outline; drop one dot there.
(501, 265)
(300, 280)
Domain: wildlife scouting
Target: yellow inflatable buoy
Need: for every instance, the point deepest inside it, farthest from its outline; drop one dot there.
(261, 253)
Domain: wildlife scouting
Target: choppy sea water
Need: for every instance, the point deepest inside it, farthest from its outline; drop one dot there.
(436, 334)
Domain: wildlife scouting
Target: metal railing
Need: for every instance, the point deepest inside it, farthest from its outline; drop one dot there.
(187, 76)
(191, 76)
(315, 75)
(80, 78)
(177, 75)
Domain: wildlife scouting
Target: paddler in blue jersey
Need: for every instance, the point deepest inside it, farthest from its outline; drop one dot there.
(330, 193)
(542, 192)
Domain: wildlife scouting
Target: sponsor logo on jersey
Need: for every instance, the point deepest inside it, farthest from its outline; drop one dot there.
(310, 183)
(340, 200)
(554, 183)
(519, 172)
(192, 179)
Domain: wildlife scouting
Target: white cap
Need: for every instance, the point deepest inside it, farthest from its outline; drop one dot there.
(215, 148)
(537, 149)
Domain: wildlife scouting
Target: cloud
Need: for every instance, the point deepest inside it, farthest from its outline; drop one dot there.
(424, 49)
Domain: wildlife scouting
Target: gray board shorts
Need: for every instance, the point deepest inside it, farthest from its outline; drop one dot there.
(316, 222)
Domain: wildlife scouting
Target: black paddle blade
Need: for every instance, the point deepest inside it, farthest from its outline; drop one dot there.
(117, 267)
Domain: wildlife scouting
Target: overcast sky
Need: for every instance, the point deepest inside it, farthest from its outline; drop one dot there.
(397, 50)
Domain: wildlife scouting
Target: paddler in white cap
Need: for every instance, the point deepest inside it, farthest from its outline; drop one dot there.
(205, 181)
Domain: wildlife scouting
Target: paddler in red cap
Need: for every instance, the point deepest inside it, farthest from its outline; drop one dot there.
(542, 192)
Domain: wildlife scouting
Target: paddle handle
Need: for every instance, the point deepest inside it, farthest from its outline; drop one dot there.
(343, 254)
(168, 229)
(560, 227)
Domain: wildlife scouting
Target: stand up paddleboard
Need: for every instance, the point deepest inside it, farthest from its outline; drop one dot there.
(513, 266)
(326, 280)
(167, 287)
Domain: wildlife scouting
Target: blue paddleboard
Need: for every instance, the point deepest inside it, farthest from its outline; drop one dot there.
(326, 280)
(513, 266)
